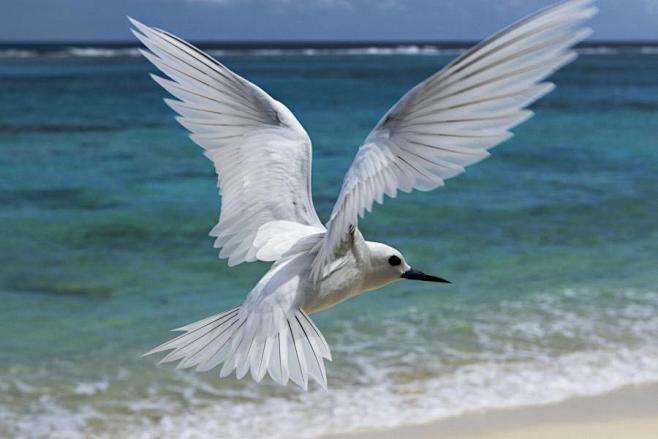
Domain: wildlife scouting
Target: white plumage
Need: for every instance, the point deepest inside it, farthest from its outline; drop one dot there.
(262, 156)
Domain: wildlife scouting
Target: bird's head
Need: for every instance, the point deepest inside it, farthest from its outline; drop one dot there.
(388, 265)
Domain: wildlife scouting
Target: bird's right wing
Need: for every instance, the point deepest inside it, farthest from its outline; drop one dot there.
(261, 153)
(452, 118)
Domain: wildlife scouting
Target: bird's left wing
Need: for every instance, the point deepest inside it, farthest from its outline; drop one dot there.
(452, 118)
(261, 153)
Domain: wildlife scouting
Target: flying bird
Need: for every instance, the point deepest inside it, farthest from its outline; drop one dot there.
(262, 156)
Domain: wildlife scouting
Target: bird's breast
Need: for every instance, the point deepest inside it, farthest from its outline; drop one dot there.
(335, 288)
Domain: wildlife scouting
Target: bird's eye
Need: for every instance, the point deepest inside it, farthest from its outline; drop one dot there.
(394, 260)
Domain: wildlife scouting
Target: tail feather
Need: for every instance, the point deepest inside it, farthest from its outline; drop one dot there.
(288, 347)
(202, 322)
(191, 330)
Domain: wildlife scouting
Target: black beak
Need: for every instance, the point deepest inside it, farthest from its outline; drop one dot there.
(419, 275)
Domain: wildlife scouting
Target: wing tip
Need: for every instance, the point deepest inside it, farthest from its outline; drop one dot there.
(583, 34)
(155, 350)
(591, 12)
(138, 24)
(163, 81)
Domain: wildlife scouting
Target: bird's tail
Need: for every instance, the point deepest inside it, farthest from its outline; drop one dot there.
(293, 349)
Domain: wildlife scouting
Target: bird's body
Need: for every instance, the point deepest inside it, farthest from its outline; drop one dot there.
(353, 273)
(262, 156)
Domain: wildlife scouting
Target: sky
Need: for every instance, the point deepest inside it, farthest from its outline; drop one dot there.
(302, 20)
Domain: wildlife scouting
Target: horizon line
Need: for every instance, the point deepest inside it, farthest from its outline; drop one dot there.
(338, 42)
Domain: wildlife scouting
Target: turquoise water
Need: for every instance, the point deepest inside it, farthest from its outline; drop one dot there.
(551, 245)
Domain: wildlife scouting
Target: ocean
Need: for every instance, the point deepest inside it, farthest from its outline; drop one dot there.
(551, 245)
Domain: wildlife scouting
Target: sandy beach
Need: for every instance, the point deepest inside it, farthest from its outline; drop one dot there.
(629, 413)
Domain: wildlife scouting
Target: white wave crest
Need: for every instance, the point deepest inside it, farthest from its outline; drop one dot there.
(18, 53)
(539, 350)
(404, 49)
(383, 404)
(95, 52)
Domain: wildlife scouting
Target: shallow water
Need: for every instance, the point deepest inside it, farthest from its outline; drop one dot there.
(551, 244)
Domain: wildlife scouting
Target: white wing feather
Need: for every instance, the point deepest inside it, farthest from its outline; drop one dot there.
(261, 153)
(451, 119)
(268, 333)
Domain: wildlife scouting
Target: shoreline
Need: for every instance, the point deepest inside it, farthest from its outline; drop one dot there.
(629, 412)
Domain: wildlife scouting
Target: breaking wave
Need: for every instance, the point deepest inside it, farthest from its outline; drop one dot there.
(549, 349)
(378, 50)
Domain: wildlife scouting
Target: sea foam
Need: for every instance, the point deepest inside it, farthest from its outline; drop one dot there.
(549, 348)
(379, 50)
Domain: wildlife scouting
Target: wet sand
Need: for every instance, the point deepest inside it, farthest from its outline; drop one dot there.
(630, 413)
